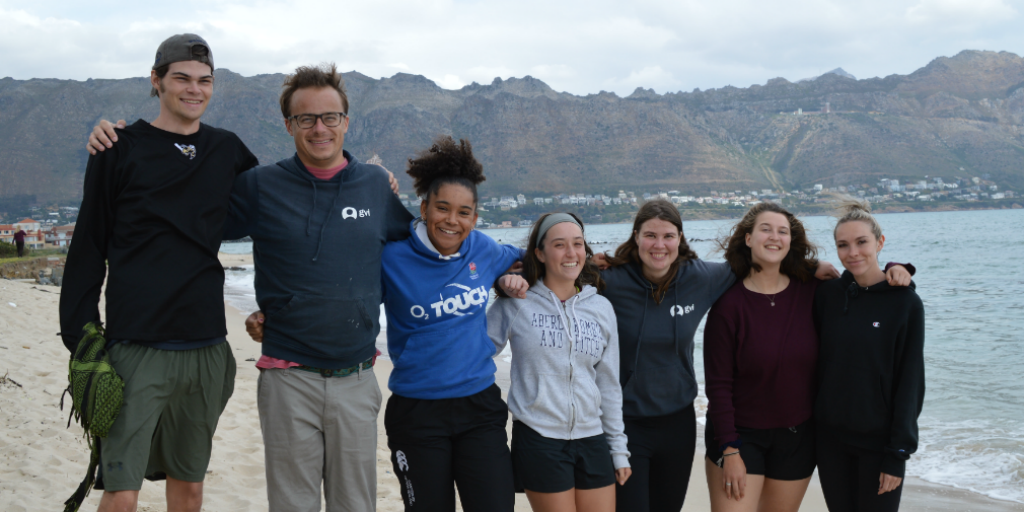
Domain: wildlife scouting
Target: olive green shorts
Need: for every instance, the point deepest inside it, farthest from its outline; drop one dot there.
(172, 401)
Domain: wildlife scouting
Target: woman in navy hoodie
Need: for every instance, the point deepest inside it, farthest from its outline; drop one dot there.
(870, 372)
(445, 419)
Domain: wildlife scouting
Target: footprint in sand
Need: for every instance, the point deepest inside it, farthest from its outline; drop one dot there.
(248, 470)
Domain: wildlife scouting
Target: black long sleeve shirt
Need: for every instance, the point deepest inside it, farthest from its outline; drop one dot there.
(153, 211)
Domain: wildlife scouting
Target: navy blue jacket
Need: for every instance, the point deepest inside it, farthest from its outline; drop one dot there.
(317, 246)
(656, 339)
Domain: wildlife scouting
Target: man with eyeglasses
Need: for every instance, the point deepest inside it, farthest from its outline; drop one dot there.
(319, 221)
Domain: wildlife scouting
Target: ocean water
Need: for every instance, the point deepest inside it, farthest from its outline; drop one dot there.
(970, 275)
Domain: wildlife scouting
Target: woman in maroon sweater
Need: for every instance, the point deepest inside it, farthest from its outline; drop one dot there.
(760, 359)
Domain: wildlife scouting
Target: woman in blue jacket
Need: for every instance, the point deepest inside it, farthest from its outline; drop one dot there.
(445, 419)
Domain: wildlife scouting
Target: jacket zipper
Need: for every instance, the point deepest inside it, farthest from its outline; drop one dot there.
(572, 395)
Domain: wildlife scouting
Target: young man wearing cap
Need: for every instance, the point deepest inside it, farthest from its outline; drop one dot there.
(151, 222)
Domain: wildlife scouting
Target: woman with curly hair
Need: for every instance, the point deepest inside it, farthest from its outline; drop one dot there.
(760, 359)
(568, 445)
(445, 419)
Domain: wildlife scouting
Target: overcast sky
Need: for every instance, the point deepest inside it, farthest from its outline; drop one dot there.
(580, 47)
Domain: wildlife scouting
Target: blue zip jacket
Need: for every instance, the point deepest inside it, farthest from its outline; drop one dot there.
(317, 248)
(436, 307)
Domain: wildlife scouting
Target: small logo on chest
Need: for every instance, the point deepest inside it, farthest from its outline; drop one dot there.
(678, 310)
(876, 324)
(472, 271)
(351, 213)
(189, 150)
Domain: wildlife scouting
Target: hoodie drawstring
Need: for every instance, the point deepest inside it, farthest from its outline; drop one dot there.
(851, 291)
(639, 339)
(309, 220)
(556, 301)
(323, 228)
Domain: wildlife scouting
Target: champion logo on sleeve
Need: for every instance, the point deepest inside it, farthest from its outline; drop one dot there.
(875, 324)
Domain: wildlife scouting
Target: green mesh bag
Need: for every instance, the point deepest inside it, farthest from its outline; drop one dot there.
(97, 392)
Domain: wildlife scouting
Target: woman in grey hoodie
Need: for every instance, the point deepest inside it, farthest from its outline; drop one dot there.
(568, 440)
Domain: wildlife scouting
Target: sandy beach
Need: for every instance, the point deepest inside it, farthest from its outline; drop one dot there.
(43, 461)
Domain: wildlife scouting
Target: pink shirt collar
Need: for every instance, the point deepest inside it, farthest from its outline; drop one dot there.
(326, 174)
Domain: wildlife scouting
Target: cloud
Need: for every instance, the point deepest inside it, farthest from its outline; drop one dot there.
(573, 45)
(959, 12)
(450, 82)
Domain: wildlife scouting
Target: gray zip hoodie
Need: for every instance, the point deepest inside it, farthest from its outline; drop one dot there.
(565, 382)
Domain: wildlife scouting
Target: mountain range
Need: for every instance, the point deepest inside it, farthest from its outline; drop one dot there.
(956, 116)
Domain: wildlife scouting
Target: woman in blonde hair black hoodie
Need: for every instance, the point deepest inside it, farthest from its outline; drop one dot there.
(870, 372)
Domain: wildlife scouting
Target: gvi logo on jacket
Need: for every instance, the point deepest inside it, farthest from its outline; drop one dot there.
(351, 213)
(678, 310)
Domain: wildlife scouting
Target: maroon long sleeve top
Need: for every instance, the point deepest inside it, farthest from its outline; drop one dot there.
(760, 360)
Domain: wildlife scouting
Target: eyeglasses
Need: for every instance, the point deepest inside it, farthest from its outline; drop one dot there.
(307, 121)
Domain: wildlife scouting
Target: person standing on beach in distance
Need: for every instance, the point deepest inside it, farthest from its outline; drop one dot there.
(568, 445)
(660, 291)
(318, 265)
(19, 242)
(153, 211)
(870, 372)
(760, 363)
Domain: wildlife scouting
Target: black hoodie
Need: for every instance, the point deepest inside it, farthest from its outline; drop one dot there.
(871, 366)
(656, 340)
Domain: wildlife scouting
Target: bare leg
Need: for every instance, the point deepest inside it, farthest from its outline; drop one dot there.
(553, 501)
(119, 501)
(184, 496)
(720, 502)
(783, 495)
(596, 500)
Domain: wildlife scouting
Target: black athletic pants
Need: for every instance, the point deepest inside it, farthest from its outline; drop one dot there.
(21, 248)
(438, 444)
(849, 477)
(661, 455)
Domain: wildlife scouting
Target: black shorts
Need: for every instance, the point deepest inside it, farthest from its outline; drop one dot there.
(776, 453)
(542, 464)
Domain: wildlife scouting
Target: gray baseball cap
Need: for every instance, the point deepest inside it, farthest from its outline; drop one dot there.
(179, 48)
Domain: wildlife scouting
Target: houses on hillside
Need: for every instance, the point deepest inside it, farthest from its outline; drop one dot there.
(60, 236)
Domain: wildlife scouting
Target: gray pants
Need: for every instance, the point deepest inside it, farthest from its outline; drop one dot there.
(319, 430)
